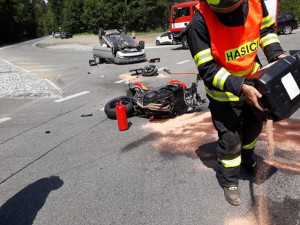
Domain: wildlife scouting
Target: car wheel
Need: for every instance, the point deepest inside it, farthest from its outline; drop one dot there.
(287, 29)
(142, 44)
(101, 32)
(174, 42)
(157, 43)
(124, 29)
(185, 44)
(110, 110)
(115, 48)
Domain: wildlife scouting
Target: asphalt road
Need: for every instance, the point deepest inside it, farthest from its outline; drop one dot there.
(60, 168)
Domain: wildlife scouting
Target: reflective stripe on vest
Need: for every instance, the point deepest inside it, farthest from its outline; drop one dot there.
(267, 22)
(203, 57)
(269, 39)
(221, 96)
(220, 78)
(231, 162)
(240, 42)
(250, 71)
(251, 145)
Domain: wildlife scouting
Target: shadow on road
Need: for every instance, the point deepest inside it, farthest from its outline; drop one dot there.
(23, 207)
(207, 153)
(178, 48)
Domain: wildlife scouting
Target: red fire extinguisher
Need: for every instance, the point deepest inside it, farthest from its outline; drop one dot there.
(121, 116)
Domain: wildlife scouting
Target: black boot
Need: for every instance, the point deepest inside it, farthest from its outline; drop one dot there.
(232, 195)
(249, 165)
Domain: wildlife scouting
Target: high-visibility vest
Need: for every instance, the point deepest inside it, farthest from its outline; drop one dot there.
(235, 48)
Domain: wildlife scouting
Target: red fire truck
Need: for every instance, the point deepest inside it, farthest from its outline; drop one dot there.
(182, 13)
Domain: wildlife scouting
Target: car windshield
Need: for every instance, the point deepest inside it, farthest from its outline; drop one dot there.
(123, 40)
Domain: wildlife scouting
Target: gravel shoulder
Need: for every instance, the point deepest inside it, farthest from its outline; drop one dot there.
(16, 82)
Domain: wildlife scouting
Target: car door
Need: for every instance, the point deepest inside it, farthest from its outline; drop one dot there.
(165, 38)
(281, 21)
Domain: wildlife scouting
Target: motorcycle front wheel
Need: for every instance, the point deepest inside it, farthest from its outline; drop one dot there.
(110, 107)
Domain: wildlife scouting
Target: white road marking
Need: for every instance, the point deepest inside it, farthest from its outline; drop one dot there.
(6, 61)
(183, 62)
(25, 63)
(26, 70)
(120, 81)
(4, 119)
(55, 86)
(72, 96)
(37, 43)
(45, 69)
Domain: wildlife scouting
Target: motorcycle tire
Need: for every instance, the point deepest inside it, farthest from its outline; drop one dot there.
(110, 110)
(150, 70)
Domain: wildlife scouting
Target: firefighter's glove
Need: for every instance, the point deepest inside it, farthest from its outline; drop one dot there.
(252, 95)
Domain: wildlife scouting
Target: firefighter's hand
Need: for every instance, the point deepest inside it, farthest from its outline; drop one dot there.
(251, 95)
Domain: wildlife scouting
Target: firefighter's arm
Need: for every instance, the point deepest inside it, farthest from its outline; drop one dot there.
(269, 41)
(213, 76)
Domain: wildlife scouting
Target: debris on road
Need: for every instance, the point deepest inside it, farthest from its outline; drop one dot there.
(86, 115)
(137, 71)
(154, 60)
(147, 71)
(92, 62)
(169, 72)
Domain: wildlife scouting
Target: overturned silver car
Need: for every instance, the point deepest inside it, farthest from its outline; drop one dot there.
(118, 47)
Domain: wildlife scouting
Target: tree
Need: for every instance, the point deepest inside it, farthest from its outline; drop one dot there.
(73, 9)
(40, 11)
(94, 16)
(56, 7)
(17, 20)
(290, 6)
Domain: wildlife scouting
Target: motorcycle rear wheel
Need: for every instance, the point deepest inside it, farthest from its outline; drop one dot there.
(110, 110)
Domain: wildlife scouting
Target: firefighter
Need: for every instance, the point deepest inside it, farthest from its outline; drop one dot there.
(224, 37)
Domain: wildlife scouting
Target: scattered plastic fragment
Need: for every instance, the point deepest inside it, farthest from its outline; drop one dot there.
(86, 115)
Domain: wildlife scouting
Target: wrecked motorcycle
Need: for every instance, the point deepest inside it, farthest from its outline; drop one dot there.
(162, 102)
